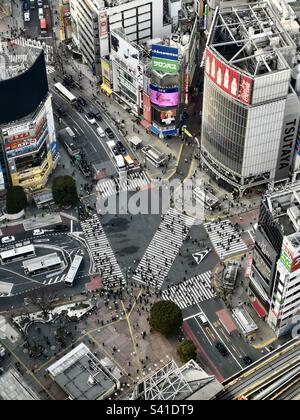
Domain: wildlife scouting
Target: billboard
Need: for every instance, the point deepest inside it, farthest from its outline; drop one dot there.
(165, 59)
(103, 24)
(168, 97)
(290, 255)
(128, 54)
(105, 69)
(229, 80)
(147, 108)
(21, 95)
(168, 117)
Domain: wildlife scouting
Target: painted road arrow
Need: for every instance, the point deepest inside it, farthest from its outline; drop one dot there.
(199, 256)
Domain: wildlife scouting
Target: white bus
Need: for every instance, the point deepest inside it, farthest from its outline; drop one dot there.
(70, 277)
(154, 156)
(65, 93)
(41, 265)
(17, 254)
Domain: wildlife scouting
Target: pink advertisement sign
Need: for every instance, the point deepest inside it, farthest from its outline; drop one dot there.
(164, 99)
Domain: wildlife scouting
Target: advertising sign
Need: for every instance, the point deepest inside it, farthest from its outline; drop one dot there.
(286, 260)
(164, 97)
(105, 67)
(165, 59)
(147, 108)
(230, 81)
(103, 24)
(127, 54)
(245, 90)
(290, 256)
(168, 117)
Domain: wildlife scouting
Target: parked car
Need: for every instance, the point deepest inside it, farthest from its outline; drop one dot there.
(8, 239)
(247, 360)
(109, 133)
(61, 228)
(222, 349)
(121, 148)
(38, 232)
(81, 101)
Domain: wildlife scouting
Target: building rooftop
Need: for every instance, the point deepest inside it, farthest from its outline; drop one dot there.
(244, 320)
(16, 59)
(14, 388)
(251, 38)
(189, 382)
(284, 205)
(83, 376)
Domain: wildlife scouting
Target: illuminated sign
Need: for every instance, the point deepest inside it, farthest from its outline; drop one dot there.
(168, 117)
(164, 97)
(103, 24)
(165, 59)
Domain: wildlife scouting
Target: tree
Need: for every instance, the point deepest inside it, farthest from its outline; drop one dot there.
(64, 191)
(166, 318)
(186, 351)
(16, 200)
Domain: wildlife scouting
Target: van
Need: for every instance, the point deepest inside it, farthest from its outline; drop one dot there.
(101, 132)
(203, 319)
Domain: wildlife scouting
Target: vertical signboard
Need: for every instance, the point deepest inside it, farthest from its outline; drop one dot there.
(147, 108)
(103, 24)
(245, 90)
(165, 59)
(290, 255)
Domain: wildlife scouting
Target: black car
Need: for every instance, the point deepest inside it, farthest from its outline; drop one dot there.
(25, 6)
(109, 133)
(121, 148)
(79, 108)
(61, 112)
(247, 360)
(222, 349)
(81, 101)
(61, 228)
(96, 113)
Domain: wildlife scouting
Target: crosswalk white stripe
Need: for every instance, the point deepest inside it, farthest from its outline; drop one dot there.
(225, 239)
(163, 249)
(192, 291)
(131, 182)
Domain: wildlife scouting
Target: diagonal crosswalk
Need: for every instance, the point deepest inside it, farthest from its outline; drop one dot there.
(54, 280)
(188, 293)
(105, 262)
(131, 182)
(50, 69)
(225, 238)
(163, 249)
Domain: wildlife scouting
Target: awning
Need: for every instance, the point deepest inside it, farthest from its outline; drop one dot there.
(145, 124)
(105, 88)
(258, 308)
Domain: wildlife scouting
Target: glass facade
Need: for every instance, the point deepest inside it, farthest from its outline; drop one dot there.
(223, 128)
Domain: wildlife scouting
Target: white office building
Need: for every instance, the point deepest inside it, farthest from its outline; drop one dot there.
(92, 21)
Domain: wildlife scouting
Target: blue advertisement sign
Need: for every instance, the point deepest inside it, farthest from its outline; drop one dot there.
(165, 52)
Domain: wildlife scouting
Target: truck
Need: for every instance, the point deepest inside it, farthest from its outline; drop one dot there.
(43, 24)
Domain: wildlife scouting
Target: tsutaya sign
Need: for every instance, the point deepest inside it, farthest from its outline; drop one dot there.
(230, 81)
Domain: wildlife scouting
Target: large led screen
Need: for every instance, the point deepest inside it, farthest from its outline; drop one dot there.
(164, 97)
(21, 95)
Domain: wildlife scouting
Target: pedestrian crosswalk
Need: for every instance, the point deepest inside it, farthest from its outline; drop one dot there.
(54, 280)
(188, 293)
(105, 263)
(225, 238)
(50, 69)
(131, 182)
(163, 249)
(19, 58)
(27, 42)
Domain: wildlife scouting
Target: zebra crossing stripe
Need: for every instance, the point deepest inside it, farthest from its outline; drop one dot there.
(225, 239)
(131, 182)
(163, 249)
(190, 292)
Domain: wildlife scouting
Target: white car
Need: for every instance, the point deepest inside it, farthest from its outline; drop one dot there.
(40, 3)
(27, 16)
(8, 239)
(38, 232)
(41, 13)
(91, 120)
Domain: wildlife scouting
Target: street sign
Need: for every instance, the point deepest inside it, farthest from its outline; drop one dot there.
(199, 256)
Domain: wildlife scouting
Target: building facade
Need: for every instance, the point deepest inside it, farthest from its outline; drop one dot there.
(27, 130)
(93, 20)
(250, 111)
(275, 274)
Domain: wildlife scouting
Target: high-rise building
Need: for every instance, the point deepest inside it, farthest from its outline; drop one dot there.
(94, 19)
(275, 276)
(27, 132)
(250, 111)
